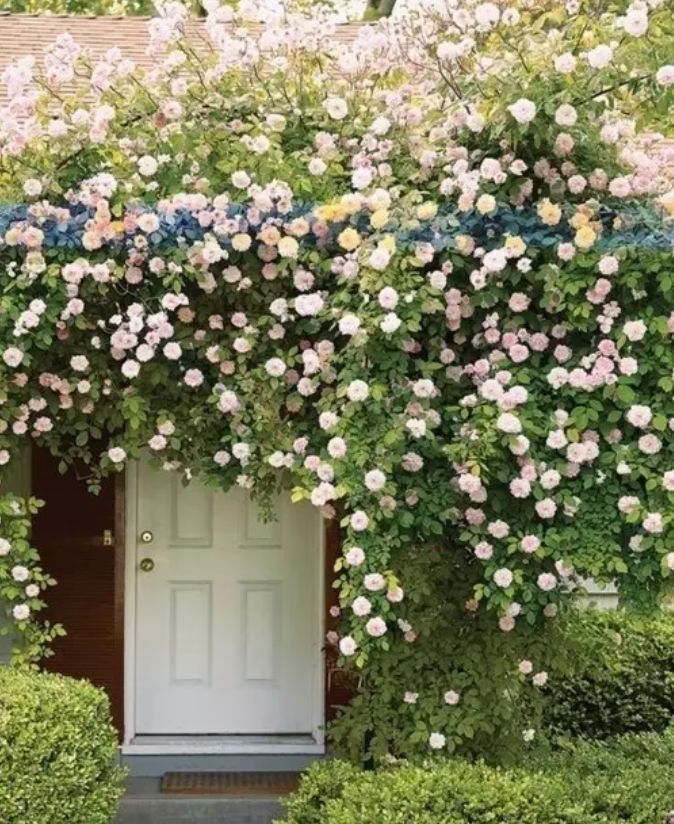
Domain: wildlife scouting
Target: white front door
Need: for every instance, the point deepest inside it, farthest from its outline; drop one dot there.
(228, 619)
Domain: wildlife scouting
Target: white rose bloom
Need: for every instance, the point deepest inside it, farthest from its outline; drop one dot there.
(349, 325)
(357, 391)
(523, 110)
(375, 480)
(390, 323)
(117, 454)
(241, 180)
(275, 367)
(12, 356)
(147, 166)
(347, 646)
(336, 107)
(600, 56)
(509, 423)
(21, 612)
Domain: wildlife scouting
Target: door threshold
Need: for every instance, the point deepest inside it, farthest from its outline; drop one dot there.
(223, 745)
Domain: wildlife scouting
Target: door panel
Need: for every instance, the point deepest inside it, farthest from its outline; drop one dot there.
(227, 619)
(68, 532)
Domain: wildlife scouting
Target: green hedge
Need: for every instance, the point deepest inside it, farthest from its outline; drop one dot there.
(623, 680)
(631, 782)
(57, 751)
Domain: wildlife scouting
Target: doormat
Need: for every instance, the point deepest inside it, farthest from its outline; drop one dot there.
(229, 783)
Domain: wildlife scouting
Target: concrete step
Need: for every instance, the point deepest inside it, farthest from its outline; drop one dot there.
(144, 804)
(195, 810)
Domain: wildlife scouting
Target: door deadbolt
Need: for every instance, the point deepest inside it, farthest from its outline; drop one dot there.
(146, 565)
(146, 537)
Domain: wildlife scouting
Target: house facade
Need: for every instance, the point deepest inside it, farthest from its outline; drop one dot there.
(204, 622)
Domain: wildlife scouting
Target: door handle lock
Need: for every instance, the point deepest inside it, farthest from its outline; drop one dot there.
(108, 537)
(146, 565)
(146, 537)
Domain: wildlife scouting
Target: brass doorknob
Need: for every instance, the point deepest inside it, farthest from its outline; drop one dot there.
(146, 565)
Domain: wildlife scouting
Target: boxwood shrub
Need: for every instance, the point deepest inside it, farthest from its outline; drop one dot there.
(623, 679)
(57, 751)
(629, 781)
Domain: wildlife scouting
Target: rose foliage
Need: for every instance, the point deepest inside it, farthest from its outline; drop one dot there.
(424, 280)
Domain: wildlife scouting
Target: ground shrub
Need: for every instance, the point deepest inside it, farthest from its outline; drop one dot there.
(629, 781)
(57, 751)
(623, 680)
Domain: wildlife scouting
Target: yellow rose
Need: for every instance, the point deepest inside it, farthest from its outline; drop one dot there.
(465, 244)
(12, 237)
(299, 227)
(288, 247)
(427, 210)
(270, 235)
(585, 237)
(241, 242)
(330, 211)
(515, 246)
(350, 204)
(388, 242)
(667, 202)
(379, 218)
(349, 239)
(549, 212)
(579, 220)
(485, 204)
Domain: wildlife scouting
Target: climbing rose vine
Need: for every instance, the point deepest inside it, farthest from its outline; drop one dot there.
(423, 279)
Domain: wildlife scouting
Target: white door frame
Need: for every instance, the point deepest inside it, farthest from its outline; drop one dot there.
(197, 745)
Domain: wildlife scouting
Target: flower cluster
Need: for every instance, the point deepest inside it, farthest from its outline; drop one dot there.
(425, 280)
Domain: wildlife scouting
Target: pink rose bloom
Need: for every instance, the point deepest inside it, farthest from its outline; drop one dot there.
(649, 444)
(374, 582)
(634, 330)
(546, 508)
(546, 581)
(603, 366)
(653, 523)
(484, 551)
(628, 366)
(503, 578)
(520, 488)
(627, 504)
(529, 544)
(639, 416)
(519, 302)
(518, 353)
(607, 348)
(359, 521)
(561, 353)
(388, 298)
(620, 187)
(499, 529)
(354, 556)
(506, 623)
(608, 265)
(528, 472)
(376, 627)
(475, 517)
